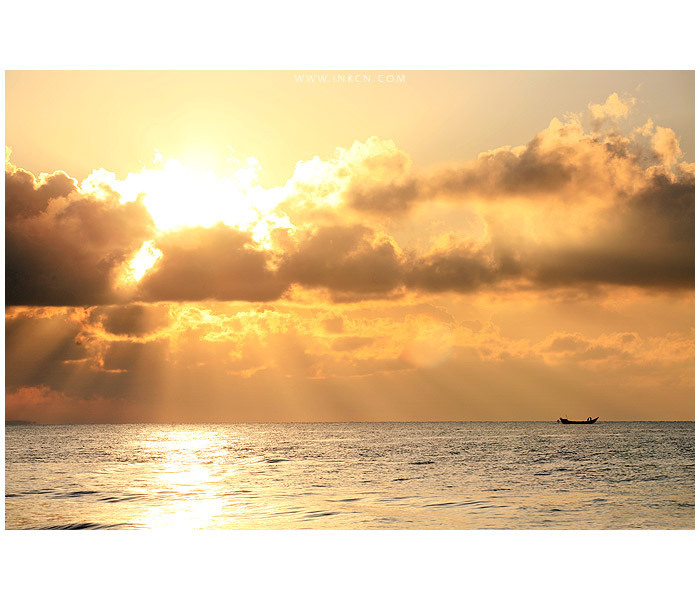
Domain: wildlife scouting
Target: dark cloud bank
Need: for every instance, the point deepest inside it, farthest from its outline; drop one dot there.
(64, 247)
(61, 247)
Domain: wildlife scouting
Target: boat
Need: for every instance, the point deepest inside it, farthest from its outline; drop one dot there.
(588, 421)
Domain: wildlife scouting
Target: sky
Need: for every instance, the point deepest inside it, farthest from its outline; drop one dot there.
(347, 246)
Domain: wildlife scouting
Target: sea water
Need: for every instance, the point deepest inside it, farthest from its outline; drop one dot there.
(457, 475)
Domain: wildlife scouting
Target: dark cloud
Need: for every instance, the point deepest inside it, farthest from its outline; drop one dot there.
(629, 266)
(646, 240)
(217, 263)
(567, 343)
(67, 256)
(383, 198)
(575, 348)
(26, 197)
(536, 170)
(463, 269)
(344, 259)
(532, 172)
(133, 319)
(348, 343)
(636, 228)
(562, 162)
(667, 207)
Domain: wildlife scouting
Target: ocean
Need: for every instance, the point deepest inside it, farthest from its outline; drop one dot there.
(455, 475)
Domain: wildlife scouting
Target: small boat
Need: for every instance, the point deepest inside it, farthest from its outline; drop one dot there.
(588, 421)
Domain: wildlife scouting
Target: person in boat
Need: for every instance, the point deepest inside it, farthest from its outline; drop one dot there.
(588, 419)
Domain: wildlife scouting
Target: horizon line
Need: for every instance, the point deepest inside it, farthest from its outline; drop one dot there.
(15, 422)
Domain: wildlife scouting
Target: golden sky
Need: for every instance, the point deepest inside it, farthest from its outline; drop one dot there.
(269, 246)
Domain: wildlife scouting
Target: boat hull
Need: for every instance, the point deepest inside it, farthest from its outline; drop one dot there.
(568, 422)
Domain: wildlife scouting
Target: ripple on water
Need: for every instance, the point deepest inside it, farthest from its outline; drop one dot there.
(88, 526)
(474, 503)
(126, 498)
(76, 494)
(315, 514)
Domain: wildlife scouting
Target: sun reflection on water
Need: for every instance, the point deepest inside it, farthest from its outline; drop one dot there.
(189, 485)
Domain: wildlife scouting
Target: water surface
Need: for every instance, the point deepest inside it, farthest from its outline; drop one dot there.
(637, 475)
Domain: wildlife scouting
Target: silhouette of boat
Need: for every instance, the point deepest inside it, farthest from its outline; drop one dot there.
(588, 421)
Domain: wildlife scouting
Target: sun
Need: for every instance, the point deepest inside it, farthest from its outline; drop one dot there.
(178, 194)
(192, 192)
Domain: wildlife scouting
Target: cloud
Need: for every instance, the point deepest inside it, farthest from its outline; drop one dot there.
(219, 263)
(347, 260)
(27, 196)
(666, 146)
(347, 343)
(132, 319)
(460, 269)
(383, 198)
(634, 357)
(645, 240)
(45, 405)
(570, 209)
(617, 212)
(559, 159)
(539, 168)
(577, 348)
(318, 189)
(566, 343)
(612, 110)
(563, 163)
(63, 248)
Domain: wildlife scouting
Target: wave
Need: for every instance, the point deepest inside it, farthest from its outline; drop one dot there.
(87, 526)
